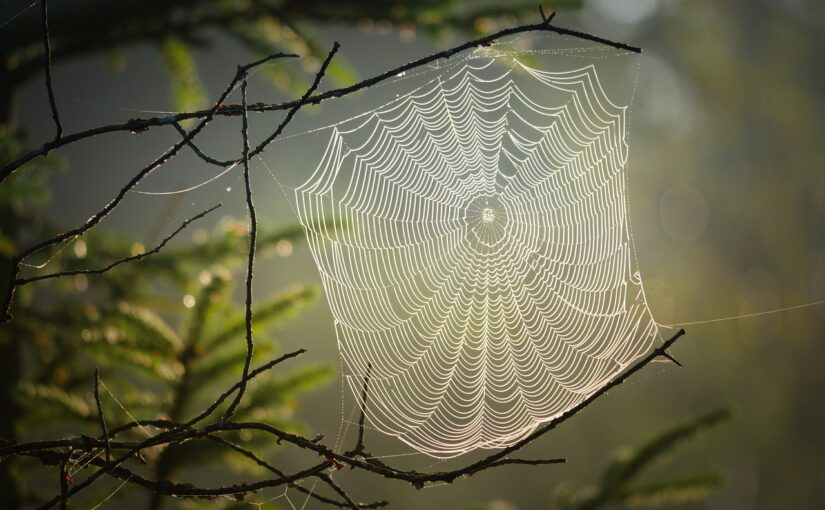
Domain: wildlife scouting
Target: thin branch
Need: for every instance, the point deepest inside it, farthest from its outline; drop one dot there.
(168, 488)
(298, 104)
(341, 492)
(161, 424)
(548, 19)
(495, 460)
(47, 50)
(266, 465)
(198, 151)
(359, 445)
(86, 442)
(526, 462)
(263, 368)
(250, 266)
(23, 281)
(74, 443)
(101, 419)
(253, 222)
(485, 463)
(139, 125)
(667, 355)
(64, 482)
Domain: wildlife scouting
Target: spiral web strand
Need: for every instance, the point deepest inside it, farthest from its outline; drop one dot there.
(479, 259)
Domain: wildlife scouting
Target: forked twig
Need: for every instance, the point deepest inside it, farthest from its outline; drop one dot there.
(253, 222)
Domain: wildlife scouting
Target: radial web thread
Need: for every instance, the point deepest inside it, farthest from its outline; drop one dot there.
(473, 242)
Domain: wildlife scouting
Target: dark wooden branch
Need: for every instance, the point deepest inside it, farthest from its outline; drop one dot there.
(197, 150)
(218, 401)
(86, 442)
(166, 438)
(360, 448)
(101, 418)
(139, 125)
(47, 51)
(418, 479)
(293, 109)
(23, 281)
(341, 492)
(64, 482)
(160, 424)
(526, 462)
(168, 488)
(253, 222)
(667, 355)
(347, 503)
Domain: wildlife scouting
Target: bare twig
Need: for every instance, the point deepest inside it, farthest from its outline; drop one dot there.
(667, 355)
(184, 433)
(321, 476)
(178, 489)
(64, 482)
(47, 50)
(23, 281)
(166, 438)
(218, 401)
(359, 445)
(293, 109)
(253, 222)
(250, 271)
(85, 442)
(526, 462)
(101, 418)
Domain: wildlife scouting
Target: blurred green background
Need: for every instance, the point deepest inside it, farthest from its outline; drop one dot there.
(727, 198)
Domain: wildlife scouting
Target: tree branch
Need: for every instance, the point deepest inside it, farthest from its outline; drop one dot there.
(171, 432)
(47, 51)
(250, 271)
(100, 418)
(253, 222)
(359, 445)
(184, 433)
(139, 125)
(23, 281)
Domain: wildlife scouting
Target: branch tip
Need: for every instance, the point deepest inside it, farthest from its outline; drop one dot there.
(668, 356)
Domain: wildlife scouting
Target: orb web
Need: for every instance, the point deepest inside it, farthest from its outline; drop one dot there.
(479, 259)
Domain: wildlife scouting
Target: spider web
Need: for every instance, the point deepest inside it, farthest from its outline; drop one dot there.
(473, 241)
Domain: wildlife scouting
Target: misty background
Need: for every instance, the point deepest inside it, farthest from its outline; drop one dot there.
(727, 204)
